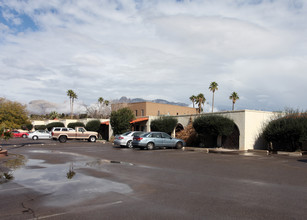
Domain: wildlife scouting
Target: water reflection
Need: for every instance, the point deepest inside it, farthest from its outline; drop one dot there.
(15, 162)
(11, 164)
(71, 173)
(64, 188)
(5, 177)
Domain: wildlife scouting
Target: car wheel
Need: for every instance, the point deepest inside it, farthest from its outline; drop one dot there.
(129, 144)
(92, 139)
(24, 136)
(179, 145)
(62, 139)
(34, 137)
(150, 146)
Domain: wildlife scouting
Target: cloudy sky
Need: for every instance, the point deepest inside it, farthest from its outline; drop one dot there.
(152, 49)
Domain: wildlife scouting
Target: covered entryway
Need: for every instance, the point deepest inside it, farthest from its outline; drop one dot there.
(104, 130)
(232, 141)
(139, 124)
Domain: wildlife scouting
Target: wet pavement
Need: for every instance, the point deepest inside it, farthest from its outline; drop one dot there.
(81, 180)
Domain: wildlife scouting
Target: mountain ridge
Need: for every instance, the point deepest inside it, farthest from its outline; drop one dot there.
(124, 99)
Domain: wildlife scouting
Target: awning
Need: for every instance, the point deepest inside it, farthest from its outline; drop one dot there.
(105, 123)
(138, 120)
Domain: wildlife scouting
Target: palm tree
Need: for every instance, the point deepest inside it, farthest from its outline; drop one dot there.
(193, 100)
(200, 100)
(72, 96)
(100, 101)
(234, 97)
(106, 102)
(53, 115)
(213, 87)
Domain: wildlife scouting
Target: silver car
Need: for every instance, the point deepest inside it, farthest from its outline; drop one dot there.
(152, 140)
(40, 134)
(125, 139)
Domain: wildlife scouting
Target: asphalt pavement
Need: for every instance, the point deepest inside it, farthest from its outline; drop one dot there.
(45, 179)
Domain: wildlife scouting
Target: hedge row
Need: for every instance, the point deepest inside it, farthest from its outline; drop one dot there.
(93, 125)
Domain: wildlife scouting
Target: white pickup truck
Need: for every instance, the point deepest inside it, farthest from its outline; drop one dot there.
(63, 134)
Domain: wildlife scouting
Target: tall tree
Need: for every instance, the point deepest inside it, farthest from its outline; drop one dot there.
(72, 96)
(13, 114)
(200, 100)
(120, 120)
(100, 101)
(213, 87)
(106, 102)
(193, 100)
(234, 97)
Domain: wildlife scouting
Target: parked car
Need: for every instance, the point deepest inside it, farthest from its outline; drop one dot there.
(62, 129)
(152, 140)
(80, 133)
(125, 139)
(40, 134)
(16, 133)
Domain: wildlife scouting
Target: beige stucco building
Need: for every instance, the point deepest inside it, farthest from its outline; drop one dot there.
(247, 134)
(141, 109)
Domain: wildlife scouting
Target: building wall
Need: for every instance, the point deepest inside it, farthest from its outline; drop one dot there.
(154, 109)
(249, 122)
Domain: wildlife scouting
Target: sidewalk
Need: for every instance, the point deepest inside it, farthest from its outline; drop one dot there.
(242, 152)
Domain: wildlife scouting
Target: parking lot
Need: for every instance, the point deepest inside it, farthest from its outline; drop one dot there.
(82, 180)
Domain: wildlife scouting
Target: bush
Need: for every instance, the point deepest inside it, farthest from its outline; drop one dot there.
(75, 124)
(165, 124)
(120, 120)
(189, 135)
(287, 133)
(93, 125)
(54, 124)
(28, 127)
(40, 127)
(214, 125)
(209, 128)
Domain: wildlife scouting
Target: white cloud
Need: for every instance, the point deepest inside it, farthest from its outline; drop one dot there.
(156, 49)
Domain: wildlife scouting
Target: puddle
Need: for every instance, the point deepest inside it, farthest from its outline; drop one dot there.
(17, 161)
(62, 184)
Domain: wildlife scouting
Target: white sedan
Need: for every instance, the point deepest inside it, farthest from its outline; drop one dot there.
(40, 134)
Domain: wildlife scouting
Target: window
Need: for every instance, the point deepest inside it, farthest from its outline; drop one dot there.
(142, 112)
(158, 112)
(136, 112)
(164, 135)
(156, 135)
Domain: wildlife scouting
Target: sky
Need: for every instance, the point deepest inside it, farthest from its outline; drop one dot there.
(155, 49)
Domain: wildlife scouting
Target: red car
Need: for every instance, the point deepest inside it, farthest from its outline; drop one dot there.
(19, 134)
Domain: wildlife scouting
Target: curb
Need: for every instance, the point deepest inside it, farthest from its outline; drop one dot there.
(237, 152)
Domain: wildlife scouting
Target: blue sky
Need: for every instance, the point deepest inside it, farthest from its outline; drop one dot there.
(164, 49)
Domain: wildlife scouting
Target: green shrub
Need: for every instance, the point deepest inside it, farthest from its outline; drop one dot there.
(40, 127)
(120, 120)
(213, 125)
(28, 127)
(93, 125)
(75, 124)
(165, 124)
(54, 124)
(287, 133)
